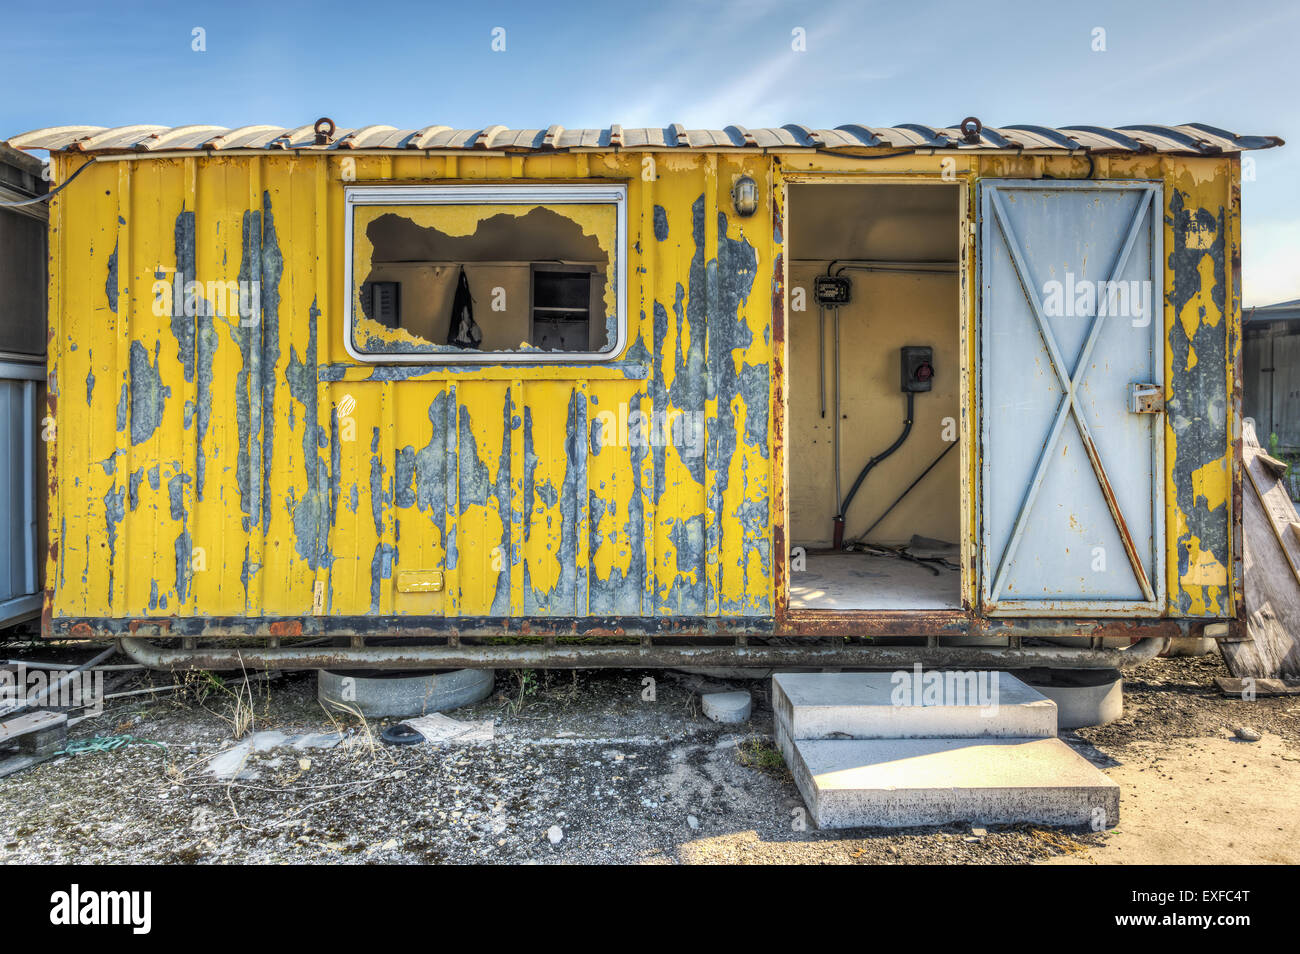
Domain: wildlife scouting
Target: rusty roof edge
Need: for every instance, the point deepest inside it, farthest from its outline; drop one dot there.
(1244, 142)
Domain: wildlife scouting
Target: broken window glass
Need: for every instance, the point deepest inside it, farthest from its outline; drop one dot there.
(459, 281)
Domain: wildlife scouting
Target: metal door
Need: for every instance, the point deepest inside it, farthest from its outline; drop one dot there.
(1071, 311)
(22, 490)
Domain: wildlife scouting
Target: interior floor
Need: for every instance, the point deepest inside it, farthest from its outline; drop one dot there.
(866, 581)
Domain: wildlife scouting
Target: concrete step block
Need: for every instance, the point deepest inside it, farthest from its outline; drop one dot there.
(910, 705)
(896, 783)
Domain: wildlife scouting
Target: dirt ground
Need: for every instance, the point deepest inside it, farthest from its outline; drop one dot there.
(618, 778)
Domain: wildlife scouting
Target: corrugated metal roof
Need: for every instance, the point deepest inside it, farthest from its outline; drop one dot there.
(1279, 311)
(1189, 139)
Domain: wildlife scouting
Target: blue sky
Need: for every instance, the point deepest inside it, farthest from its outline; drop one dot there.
(701, 64)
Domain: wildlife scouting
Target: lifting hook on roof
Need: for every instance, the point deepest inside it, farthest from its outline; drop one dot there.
(971, 128)
(324, 131)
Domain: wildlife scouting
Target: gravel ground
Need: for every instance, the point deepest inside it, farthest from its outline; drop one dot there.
(584, 756)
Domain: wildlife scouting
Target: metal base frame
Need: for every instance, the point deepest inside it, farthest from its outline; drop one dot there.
(634, 655)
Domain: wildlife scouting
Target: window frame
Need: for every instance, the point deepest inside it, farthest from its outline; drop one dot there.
(496, 194)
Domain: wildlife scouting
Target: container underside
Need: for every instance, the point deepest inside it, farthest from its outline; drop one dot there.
(411, 654)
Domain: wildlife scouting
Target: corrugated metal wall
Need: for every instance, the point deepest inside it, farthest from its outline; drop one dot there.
(22, 489)
(1272, 385)
(23, 254)
(199, 468)
(198, 473)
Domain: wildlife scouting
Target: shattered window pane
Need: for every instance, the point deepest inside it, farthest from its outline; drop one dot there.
(454, 280)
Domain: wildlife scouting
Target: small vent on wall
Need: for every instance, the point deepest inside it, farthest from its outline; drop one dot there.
(385, 302)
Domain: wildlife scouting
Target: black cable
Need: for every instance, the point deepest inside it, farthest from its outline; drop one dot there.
(854, 155)
(887, 267)
(928, 563)
(907, 429)
(52, 193)
(902, 554)
(888, 510)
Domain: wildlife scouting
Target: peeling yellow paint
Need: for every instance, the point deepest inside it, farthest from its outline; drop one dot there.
(534, 520)
(1211, 484)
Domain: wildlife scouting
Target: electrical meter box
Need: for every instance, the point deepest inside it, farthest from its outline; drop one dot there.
(918, 367)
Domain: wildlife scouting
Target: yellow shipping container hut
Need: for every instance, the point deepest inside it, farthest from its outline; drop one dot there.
(260, 427)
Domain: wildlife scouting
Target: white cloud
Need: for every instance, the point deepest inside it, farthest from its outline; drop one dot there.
(759, 81)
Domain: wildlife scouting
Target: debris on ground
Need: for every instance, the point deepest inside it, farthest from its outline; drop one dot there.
(37, 735)
(105, 743)
(619, 775)
(439, 728)
(401, 734)
(1271, 560)
(1250, 688)
(229, 763)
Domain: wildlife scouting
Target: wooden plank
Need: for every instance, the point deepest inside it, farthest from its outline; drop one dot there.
(1259, 687)
(29, 722)
(1271, 557)
(1277, 467)
(1277, 503)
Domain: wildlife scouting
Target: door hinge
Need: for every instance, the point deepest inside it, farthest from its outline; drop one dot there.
(1146, 399)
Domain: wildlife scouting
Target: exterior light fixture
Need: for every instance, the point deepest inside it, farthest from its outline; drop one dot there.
(744, 196)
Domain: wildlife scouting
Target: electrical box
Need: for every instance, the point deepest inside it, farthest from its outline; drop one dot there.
(385, 303)
(831, 290)
(918, 367)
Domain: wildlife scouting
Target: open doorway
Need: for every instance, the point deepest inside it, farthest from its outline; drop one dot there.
(874, 396)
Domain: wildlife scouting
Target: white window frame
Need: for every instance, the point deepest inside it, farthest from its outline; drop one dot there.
(504, 194)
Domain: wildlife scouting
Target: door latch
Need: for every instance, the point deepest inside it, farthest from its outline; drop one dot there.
(1146, 399)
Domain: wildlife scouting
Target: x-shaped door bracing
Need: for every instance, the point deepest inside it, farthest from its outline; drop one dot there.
(1069, 403)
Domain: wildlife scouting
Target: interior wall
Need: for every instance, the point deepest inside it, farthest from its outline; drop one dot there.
(888, 310)
(429, 288)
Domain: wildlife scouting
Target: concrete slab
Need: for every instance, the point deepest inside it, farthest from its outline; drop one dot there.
(879, 705)
(895, 783)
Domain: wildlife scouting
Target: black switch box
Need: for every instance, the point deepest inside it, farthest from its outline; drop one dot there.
(832, 290)
(918, 367)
